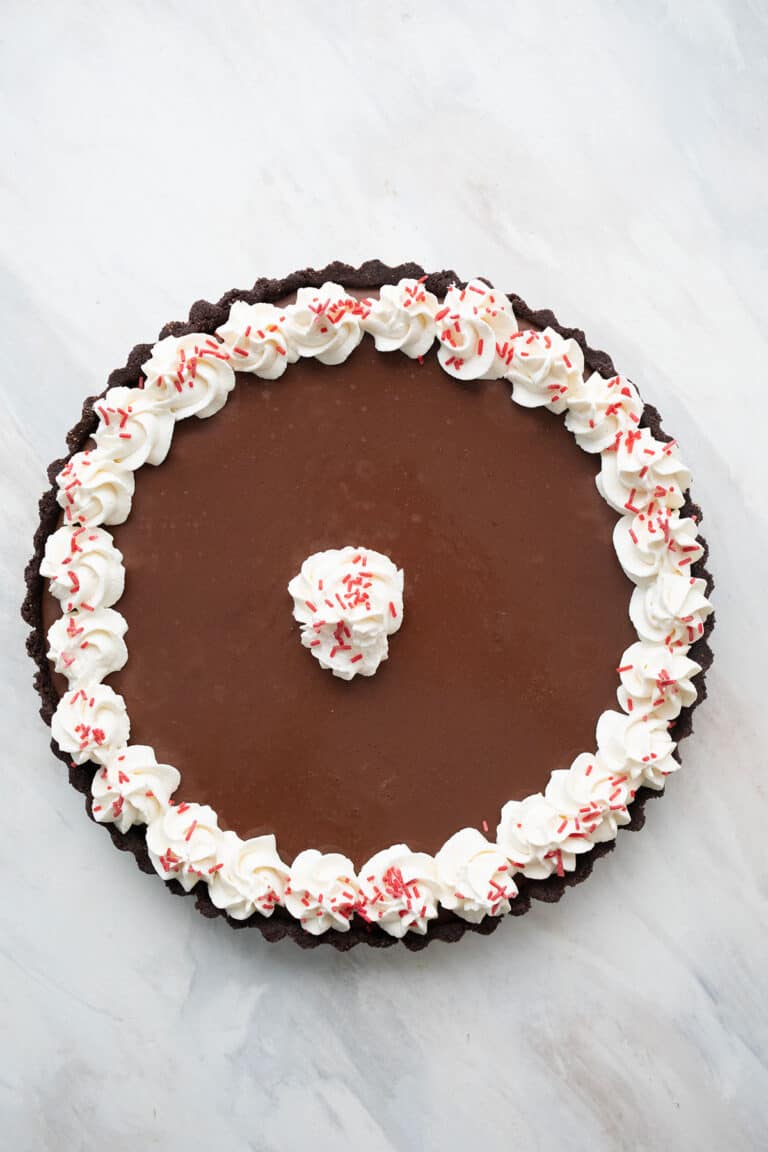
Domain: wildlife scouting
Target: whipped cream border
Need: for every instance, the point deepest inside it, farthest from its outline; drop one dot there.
(478, 338)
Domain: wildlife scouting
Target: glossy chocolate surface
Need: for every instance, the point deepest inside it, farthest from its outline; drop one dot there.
(515, 605)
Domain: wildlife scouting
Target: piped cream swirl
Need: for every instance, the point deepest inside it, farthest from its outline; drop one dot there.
(83, 567)
(474, 328)
(95, 489)
(601, 409)
(591, 802)
(323, 323)
(133, 428)
(656, 679)
(544, 368)
(649, 545)
(256, 339)
(400, 890)
(537, 840)
(639, 473)
(348, 601)
(91, 723)
(402, 319)
(87, 646)
(323, 892)
(132, 788)
(638, 746)
(671, 610)
(189, 375)
(252, 878)
(184, 843)
(475, 877)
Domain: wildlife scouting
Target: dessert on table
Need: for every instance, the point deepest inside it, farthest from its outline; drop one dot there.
(369, 605)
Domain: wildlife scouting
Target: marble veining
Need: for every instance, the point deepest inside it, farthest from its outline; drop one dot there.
(607, 160)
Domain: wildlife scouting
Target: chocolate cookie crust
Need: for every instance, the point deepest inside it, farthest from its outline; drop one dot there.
(206, 317)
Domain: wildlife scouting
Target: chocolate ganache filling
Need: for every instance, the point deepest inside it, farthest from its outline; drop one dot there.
(515, 605)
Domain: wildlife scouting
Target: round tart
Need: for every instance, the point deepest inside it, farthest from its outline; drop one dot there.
(337, 637)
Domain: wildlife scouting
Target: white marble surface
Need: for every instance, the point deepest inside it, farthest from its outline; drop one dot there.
(605, 159)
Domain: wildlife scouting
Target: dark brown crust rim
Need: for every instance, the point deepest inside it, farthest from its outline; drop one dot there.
(206, 317)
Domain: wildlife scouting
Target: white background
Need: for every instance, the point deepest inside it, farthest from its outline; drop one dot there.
(606, 159)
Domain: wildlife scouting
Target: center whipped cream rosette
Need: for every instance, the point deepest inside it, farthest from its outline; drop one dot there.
(348, 601)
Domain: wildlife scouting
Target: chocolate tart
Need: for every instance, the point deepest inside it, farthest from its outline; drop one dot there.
(516, 607)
